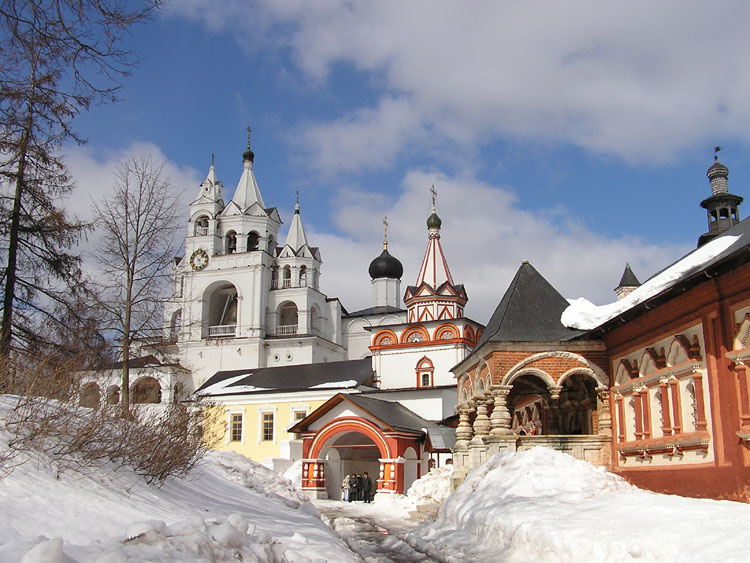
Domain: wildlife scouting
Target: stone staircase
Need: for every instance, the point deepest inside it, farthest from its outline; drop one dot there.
(425, 512)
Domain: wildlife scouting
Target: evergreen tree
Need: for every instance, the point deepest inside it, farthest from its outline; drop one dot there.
(57, 57)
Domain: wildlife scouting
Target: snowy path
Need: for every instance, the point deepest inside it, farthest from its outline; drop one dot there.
(372, 531)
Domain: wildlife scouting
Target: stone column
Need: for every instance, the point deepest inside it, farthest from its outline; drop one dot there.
(604, 414)
(482, 421)
(464, 432)
(500, 421)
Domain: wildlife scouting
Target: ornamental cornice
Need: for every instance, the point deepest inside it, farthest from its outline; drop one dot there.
(661, 376)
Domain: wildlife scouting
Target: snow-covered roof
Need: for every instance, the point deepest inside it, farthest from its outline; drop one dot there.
(584, 315)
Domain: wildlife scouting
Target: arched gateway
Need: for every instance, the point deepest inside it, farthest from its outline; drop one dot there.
(352, 434)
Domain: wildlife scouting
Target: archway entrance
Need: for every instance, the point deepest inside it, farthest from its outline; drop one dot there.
(349, 453)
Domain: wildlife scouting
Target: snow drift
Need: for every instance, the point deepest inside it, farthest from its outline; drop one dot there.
(543, 505)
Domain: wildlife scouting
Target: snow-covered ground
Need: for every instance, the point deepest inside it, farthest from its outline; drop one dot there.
(539, 505)
(543, 505)
(227, 509)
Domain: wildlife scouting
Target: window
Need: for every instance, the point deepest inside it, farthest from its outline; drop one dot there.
(231, 242)
(425, 379)
(267, 426)
(252, 241)
(236, 428)
(298, 415)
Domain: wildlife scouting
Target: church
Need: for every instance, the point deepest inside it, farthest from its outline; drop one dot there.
(295, 375)
(653, 386)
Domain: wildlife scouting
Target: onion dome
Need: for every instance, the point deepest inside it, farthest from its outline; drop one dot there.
(386, 266)
(433, 221)
(248, 154)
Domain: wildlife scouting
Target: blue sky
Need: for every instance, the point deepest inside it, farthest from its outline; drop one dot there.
(576, 135)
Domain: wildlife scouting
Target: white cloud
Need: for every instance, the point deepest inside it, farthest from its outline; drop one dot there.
(485, 236)
(636, 80)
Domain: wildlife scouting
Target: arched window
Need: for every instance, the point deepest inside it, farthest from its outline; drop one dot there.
(287, 319)
(113, 395)
(287, 277)
(89, 396)
(303, 276)
(220, 311)
(275, 277)
(425, 371)
(146, 390)
(231, 244)
(201, 226)
(252, 241)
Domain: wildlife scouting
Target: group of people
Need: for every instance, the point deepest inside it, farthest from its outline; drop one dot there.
(356, 487)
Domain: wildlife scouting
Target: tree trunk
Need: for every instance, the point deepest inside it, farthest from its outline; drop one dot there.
(6, 328)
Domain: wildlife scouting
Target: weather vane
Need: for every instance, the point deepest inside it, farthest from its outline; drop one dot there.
(716, 153)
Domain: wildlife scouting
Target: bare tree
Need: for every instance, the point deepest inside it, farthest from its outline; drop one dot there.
(57, 57)
(136, 228)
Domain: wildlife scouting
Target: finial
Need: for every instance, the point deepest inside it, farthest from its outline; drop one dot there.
(433, 191)
(248, 136)
(248, 155)
(212, 158)
(385, 233)
(716, 153)
(296, 204)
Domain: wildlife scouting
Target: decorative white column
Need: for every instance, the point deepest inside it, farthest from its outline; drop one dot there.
(500, 420)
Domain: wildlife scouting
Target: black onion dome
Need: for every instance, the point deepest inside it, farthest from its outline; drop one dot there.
(385, 266)
(248, 154)
(434, 221)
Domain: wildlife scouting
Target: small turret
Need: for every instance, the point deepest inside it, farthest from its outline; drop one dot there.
(628, 283)
(721, 207)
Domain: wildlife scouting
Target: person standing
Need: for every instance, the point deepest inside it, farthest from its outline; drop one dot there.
(360, 487)
(352, 487)
(367, 487)
(345, 489)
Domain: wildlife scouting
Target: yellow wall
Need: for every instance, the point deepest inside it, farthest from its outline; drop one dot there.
(218, 432)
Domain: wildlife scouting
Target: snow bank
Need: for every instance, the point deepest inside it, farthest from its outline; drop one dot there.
(293, 474)
(584, 315)
(434, 487)
(543, 505)
(227, 509)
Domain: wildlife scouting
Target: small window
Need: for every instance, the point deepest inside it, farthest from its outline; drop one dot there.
(267, 426)
(425, 380)
(236, 428)
(298, 415)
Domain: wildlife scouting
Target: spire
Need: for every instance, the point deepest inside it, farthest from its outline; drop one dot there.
(211, 188)
(247, 192)
(721, 206)
(434, 271)
(435, 296)
(628, 283)
(296, 238)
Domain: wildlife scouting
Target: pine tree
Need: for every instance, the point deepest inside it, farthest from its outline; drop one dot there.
(57, 58)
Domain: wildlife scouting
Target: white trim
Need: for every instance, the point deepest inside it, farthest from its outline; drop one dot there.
(231, 412)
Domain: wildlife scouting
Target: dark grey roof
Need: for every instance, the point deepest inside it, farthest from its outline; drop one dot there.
(628, 278)
(528, 312)
(381, 310)
(296, 377)
(391, 413)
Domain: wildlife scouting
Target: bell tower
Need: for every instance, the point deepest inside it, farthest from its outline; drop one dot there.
(721, 206)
